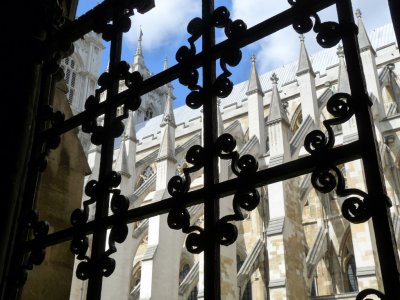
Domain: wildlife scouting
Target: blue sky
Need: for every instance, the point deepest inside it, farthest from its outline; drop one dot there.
(164, 31)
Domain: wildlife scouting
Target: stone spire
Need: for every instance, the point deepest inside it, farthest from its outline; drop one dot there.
(139, 44)
(276, 109)
(169, 117)
(162, 240)
(306, 81)
(368, 58)
(167, 145)
(165, 63)
(130, 130)
(121, 165)
(255, 107)
(363, 39)
(343, 78)
(138, 59)
(254, 81)
(304, 65)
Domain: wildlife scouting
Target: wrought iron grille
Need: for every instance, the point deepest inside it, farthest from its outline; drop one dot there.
(111, 18)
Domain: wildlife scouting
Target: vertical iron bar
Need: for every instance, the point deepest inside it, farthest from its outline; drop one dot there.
(382, 223)
(107, 151)
(394, 6)
(212, 289)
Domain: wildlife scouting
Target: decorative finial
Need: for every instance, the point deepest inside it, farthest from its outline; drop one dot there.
(253, 58)
(274, 78)
(339, 51)
(358, 13)
(301, 37)
(165, 63)
(139, 44)
(140, 33)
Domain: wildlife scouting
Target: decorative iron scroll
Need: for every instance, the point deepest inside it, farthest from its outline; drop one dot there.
(118, 233)
(178, 187)
(189, 77)
(55, 118)
(326, 178)
(108, 183)
(39, 230)
(246, 197)
(370, 292)
(328, 33)
(111, 18)
(132, 81)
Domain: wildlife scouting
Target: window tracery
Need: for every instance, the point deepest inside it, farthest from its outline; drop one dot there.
(351, 274)
(70, 69)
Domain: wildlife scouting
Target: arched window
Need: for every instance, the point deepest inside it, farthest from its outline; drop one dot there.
(314, 287)
(247, 295)
(69, 67)
(182, 274)
(135, 279)
(148, 114)
(297, 119)
(351, 274)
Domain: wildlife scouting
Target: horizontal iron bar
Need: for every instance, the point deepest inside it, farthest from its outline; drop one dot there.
(253, 34)
(301, 166)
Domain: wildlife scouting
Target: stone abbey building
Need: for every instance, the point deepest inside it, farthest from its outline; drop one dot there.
(296, 244)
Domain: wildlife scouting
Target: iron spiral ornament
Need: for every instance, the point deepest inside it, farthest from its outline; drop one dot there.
(132, 81)
(189, 77)
(247, 197)
(178, 186)
(326, 178)
(223, 86)
(364, 294)
(179, 217)
(108, 30)
(329, 33)
(38, 230)
(53, 119)
(79, 217)
(339, 106)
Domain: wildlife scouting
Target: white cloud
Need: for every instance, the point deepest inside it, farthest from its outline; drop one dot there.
(165, 23)
(255, 11)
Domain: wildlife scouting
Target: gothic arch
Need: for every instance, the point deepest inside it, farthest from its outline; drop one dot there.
(135, 275)
(390, 90)
(297, 119)
(348, 264)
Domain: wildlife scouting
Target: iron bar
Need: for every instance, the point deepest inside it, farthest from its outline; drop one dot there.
(394, 6)
(365, 148)
(381, 219)
(212, 286)
(223, 189)
(107, 152)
